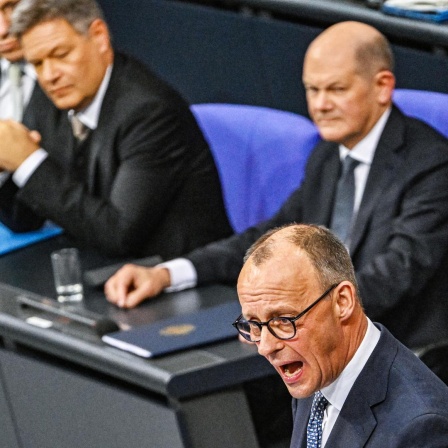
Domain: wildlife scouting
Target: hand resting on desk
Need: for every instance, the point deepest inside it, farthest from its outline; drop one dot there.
(133, 284)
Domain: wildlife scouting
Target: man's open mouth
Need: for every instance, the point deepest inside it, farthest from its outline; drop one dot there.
(292, 369)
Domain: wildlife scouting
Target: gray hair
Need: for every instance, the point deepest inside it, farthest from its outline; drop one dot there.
(326, 252)
(78, 13)
(374, 55)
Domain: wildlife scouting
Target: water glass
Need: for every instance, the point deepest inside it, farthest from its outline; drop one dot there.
(67, 274)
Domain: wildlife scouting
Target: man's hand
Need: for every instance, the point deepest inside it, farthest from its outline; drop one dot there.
(132, 284)
(16, 144)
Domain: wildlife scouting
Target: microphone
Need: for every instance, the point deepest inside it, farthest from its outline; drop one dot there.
(95, 322)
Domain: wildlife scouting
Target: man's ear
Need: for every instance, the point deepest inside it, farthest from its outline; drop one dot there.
(345, 300)
(99, 32)
(384, 84)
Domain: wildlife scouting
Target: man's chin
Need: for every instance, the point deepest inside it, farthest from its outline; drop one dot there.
(12, 55)
(300, 392)
(330, 134)
(64, 103)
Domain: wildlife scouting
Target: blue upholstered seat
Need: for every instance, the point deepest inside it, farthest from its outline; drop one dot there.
(430, 107)
(260, 154)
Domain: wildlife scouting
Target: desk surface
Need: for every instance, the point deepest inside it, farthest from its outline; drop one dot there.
(179, 375)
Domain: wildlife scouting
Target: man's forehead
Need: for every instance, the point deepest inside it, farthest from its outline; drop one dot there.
(329, 70)
(283, 270)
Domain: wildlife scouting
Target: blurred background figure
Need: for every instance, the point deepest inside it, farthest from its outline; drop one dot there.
(124, 168)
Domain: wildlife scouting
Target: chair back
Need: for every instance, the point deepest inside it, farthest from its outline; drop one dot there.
(260, 154)
(430, 107)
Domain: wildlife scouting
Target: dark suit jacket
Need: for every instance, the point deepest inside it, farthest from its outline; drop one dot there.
(395, 402)
(39, 105)
(144, 182)
(400, 239)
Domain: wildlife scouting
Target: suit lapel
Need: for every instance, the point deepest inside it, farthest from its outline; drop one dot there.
(321, 194)
(108, 110)
(38, 104)
(357, 421)
(384, 165)
(301, 416)
(99, 135)
(354, 426)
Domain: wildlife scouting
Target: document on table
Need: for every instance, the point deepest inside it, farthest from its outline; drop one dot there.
(179, 332)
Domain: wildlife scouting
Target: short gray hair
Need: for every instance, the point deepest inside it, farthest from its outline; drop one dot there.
(374, 55)
(326, 252)
(78, 13)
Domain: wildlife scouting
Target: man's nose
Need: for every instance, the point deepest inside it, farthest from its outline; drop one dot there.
(48, 72)
(321, 101)
(268, 343)
(4, 25)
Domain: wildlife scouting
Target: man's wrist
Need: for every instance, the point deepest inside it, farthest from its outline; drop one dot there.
(164, 276)
(181, 272)
(28, 166)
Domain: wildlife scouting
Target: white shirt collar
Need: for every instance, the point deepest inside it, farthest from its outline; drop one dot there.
(3, 65)
(90, 115)
(337, 392)
(27, 68)
(365, 149)
(29, 71)
(28, 81)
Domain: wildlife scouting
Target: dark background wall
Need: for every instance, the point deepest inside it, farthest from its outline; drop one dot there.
(216, 55)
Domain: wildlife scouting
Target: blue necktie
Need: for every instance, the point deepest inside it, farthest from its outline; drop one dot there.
(314, 428)
(341, 220)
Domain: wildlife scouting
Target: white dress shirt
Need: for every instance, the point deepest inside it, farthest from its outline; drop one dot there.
(182, 271)
(363, 152)
(89, 117)
(6, 99)
(336, 393)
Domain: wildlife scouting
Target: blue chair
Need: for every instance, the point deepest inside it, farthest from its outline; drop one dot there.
(430, 107)
(260, 154)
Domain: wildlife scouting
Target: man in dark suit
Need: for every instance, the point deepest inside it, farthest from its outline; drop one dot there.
(399, 236)
(135, 176)
(300, 305)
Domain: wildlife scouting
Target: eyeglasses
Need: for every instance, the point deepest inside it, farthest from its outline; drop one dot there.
(281, 327)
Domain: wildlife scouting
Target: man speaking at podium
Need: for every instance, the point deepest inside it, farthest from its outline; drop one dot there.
(353, 384)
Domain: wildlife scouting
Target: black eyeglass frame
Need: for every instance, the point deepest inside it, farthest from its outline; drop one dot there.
(260, 325)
